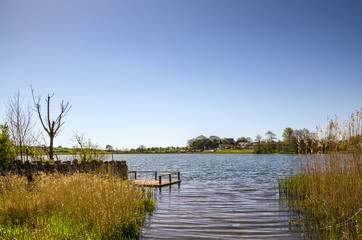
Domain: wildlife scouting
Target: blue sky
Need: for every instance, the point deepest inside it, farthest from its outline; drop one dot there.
(161, 72)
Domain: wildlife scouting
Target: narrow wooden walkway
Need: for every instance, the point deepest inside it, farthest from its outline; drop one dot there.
(157, 181)
(154, 183)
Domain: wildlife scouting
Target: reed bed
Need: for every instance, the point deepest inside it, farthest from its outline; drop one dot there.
(327, 188)
(77, 206)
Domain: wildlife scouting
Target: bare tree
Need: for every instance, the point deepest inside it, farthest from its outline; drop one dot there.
(20, 122)
(86, 150)
(51, 126)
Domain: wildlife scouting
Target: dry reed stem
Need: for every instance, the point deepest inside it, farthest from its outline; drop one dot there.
(328, 183)
(98, 203)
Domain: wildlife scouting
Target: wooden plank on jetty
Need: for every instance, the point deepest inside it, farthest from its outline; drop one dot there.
(157, 181)
(154, 183)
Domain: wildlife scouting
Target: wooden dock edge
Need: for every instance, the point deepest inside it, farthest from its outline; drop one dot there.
(158, 181)
(153, 183)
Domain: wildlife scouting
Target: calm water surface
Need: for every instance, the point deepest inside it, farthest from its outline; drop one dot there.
(222, 196)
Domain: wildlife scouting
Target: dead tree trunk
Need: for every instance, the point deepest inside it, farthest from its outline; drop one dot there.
(51, 126)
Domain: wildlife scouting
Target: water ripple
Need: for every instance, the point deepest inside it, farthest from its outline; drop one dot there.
(196, 212)
(221, 197)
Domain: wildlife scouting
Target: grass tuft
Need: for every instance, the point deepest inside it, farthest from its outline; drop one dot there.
(78, 206)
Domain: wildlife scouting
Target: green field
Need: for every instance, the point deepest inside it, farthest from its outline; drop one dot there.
(233, 151)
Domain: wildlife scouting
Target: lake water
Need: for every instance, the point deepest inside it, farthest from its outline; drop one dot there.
(221, 196)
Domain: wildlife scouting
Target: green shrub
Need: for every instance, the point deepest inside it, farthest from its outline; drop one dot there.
(7, 149)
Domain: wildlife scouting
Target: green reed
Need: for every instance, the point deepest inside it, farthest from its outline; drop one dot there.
(327, 188)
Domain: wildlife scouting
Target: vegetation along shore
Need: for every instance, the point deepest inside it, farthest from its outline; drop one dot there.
(326, 189)
(77, 206)
(61, 205)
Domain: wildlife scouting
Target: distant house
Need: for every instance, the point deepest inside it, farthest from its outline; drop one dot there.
(226, 146)
(244, 145)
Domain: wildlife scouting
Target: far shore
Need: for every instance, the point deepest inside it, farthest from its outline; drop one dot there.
(225, 151)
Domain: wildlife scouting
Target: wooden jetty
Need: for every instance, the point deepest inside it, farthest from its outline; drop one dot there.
(157, 181)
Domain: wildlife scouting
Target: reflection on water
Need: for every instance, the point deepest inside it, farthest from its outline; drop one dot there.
(222, 196)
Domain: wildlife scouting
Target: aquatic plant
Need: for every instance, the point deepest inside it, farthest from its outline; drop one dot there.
(327, 185)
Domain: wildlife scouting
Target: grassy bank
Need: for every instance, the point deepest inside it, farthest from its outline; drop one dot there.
(327, 187)
(231, 151)
(79, 206)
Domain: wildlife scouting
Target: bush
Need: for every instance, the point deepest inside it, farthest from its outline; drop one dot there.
(7, 149)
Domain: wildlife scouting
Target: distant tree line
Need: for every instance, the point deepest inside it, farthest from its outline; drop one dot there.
(144, 149)
(214, 142)
(18, 140)
(293, 141)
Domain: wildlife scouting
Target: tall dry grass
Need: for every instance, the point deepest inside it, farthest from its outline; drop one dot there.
(328, 185)
(78, 206)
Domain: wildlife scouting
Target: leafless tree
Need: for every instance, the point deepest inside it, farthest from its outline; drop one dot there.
(86, 150)
(51, 126)
(20, 122)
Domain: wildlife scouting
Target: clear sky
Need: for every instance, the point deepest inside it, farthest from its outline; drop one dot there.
(159, 72)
